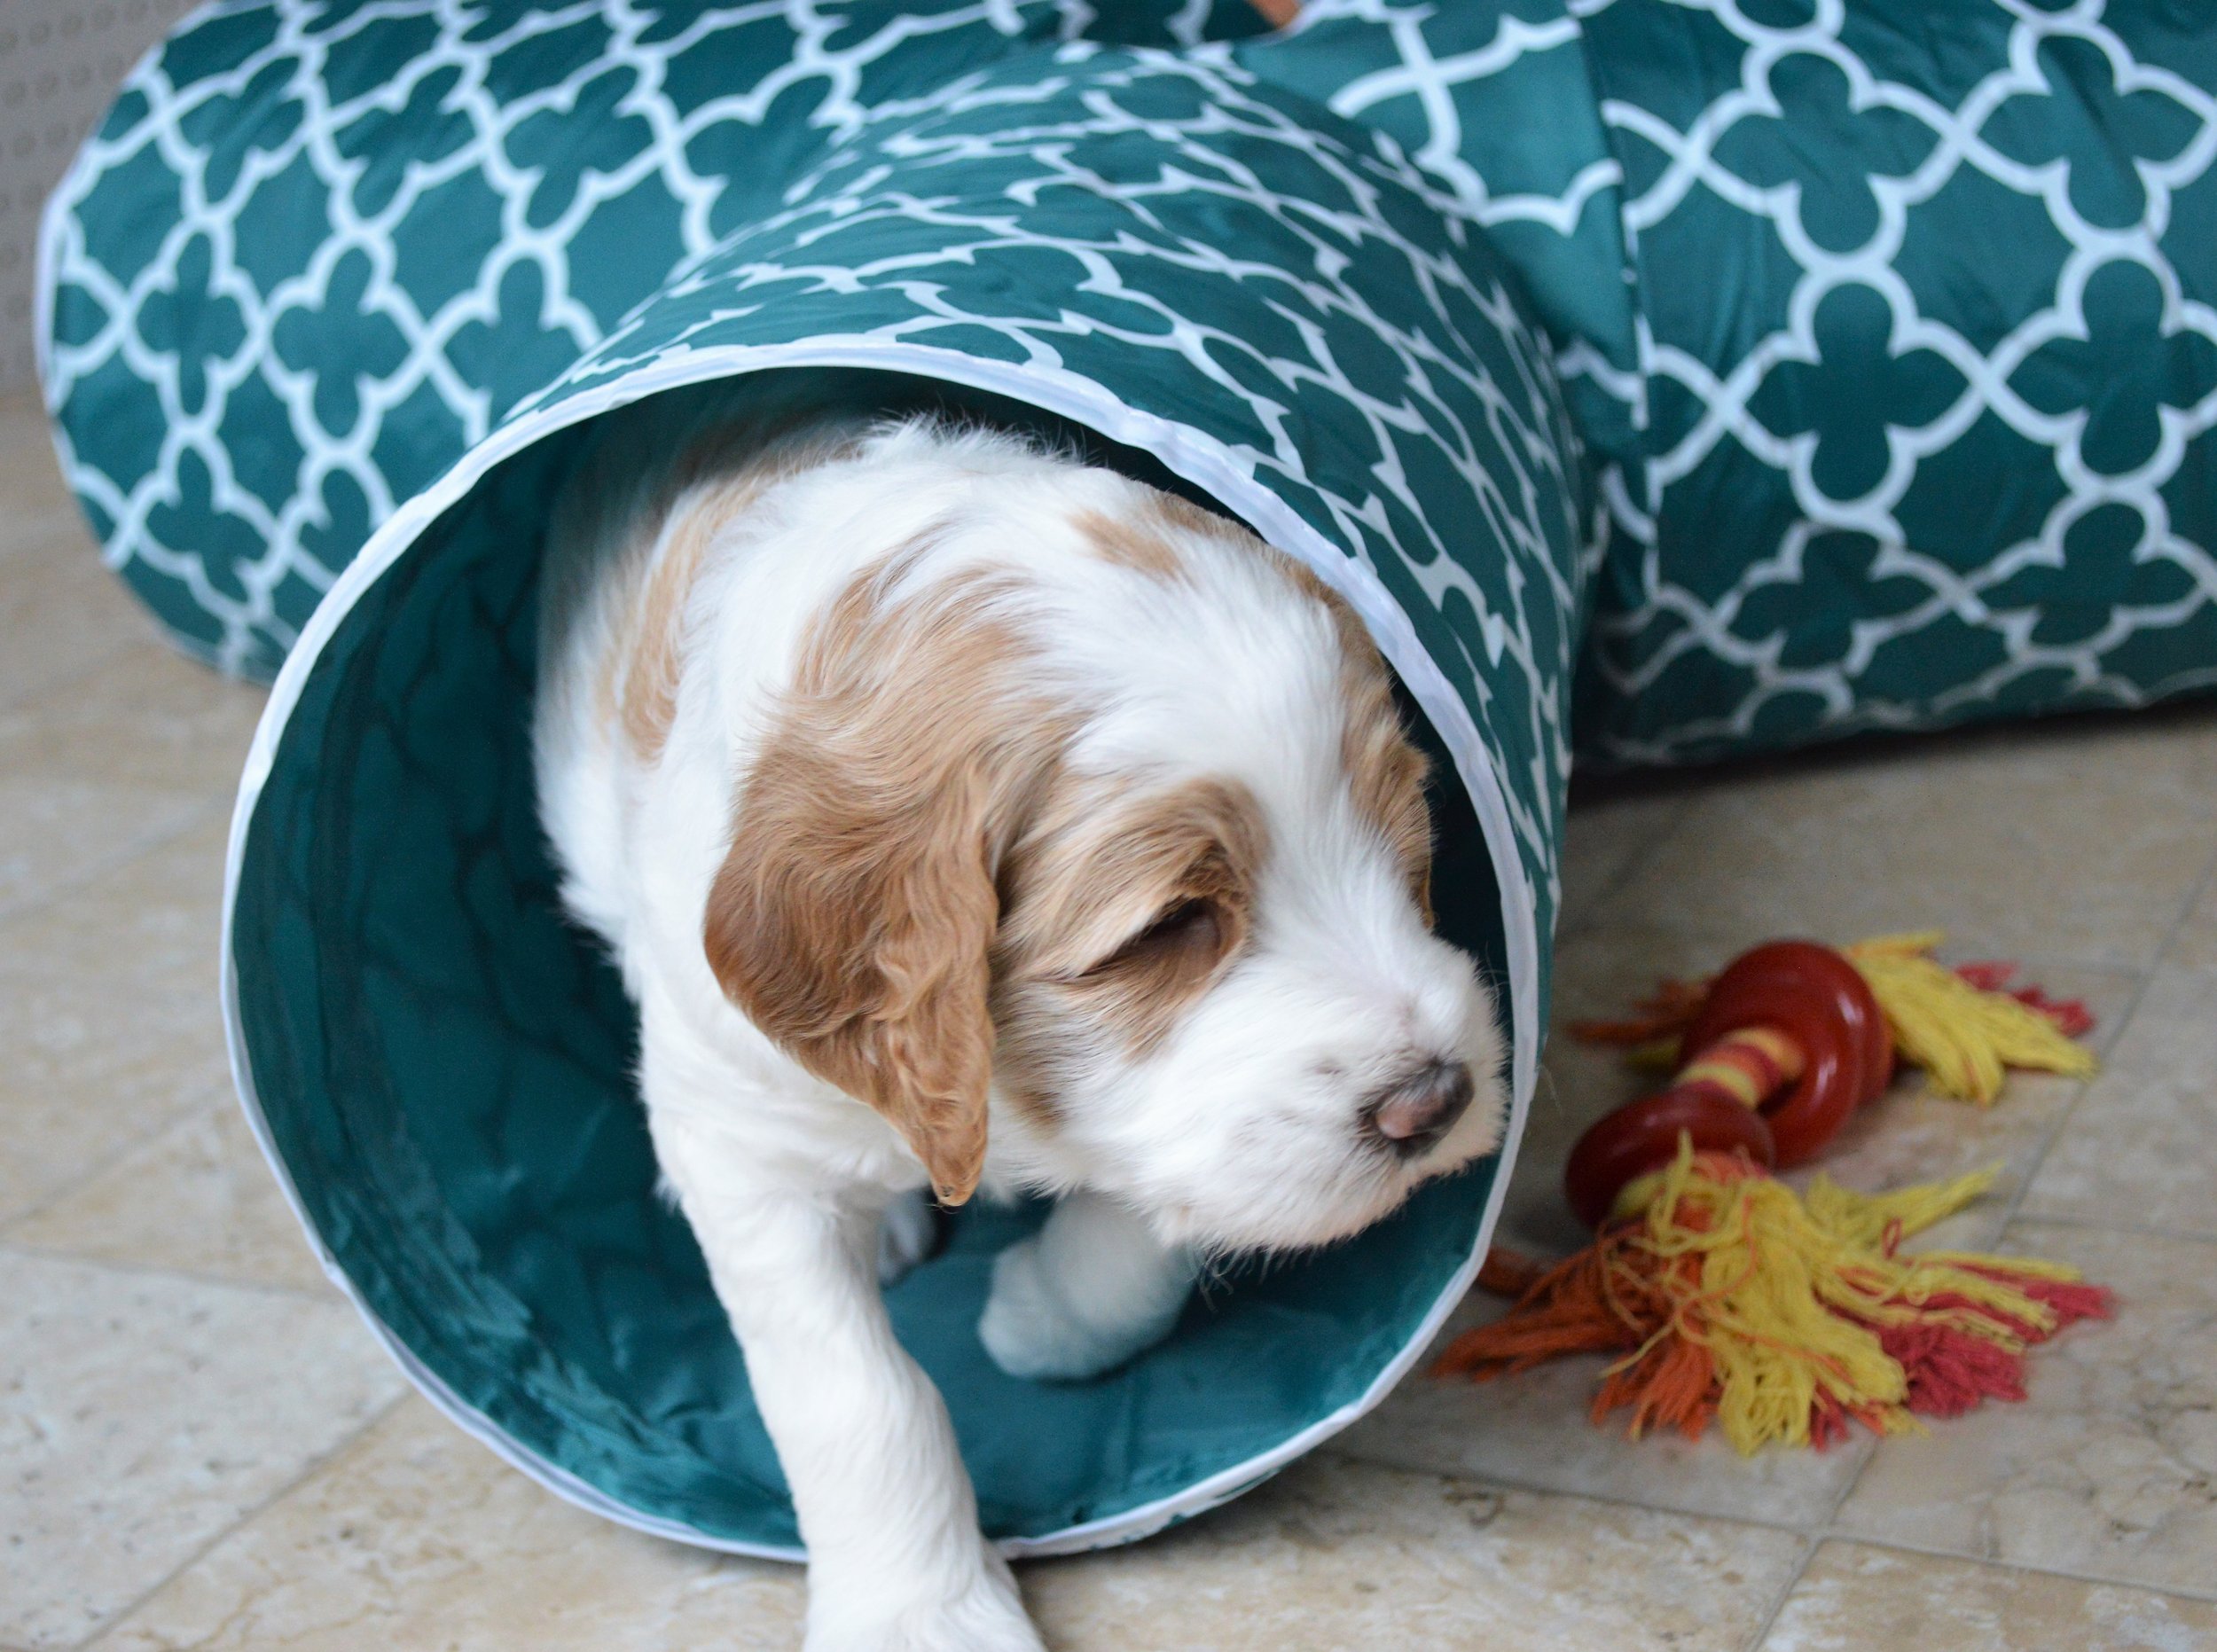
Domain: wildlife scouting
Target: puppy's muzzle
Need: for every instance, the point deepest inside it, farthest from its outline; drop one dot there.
(1411, 1116)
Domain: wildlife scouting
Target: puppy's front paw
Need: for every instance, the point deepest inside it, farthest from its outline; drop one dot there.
(1035, 1327)
(986, 1616)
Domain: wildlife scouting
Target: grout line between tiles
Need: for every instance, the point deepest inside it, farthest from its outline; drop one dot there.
(1832, 1531)
(2138, 978)
(34, 531)
(314, 1467)
(1511, 1482)
(1810, 1545)
(2187, 908)
(2033, 965)
(2087, 1225)
(59, 888)
(1631, 865)
(77, 672)
(159, 1124)
(147, 1270)
(1829, 1527)
(1812, 1535)
(2110, 1581)
(1810, 1539)
(2016, 1199)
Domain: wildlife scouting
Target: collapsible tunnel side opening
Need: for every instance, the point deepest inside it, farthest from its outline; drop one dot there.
(444, 1064)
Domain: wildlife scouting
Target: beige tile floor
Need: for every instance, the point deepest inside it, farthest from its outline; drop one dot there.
(201, 1447)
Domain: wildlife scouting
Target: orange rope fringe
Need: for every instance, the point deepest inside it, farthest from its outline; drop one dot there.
(1729, 1299)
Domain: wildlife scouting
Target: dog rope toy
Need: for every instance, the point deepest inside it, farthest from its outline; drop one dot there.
(1727, 1296)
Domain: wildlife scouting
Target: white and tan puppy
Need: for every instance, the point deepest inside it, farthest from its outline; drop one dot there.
(962, 815)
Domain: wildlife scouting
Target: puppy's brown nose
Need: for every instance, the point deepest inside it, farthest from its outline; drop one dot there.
(1412, 1115)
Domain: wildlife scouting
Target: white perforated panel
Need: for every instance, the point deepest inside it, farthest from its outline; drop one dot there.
(60, 62)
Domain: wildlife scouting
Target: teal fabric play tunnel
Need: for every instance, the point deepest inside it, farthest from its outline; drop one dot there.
(1680, 379)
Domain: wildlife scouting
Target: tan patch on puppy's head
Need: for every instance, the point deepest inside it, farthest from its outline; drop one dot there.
(1385, 771)
(713, 484)
(1188, 517)
(853, 918)
(1118, 916)
(1385, 777)
(1130, 544)
(647, 701)
(1145, 539)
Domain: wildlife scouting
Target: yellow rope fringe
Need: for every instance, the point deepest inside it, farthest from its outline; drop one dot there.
(1788, 1292)
(1960, 1036)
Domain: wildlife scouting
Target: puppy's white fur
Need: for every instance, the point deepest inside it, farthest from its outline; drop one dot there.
(1194, 1065)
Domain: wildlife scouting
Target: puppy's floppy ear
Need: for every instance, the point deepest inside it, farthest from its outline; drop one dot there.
(853, 918)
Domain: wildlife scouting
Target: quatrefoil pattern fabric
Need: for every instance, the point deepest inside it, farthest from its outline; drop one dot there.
(1890, 326)
(320, 254)
(1891, 335)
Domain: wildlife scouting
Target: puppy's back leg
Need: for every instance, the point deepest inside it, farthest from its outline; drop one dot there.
(1085, 1293)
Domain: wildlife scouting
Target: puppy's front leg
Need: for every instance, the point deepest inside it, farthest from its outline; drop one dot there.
(1083, 1294)
(896, 1560)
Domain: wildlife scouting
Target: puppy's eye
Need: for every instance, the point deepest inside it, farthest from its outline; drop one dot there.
(1186, 929)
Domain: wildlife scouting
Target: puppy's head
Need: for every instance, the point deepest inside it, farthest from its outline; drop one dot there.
(1090, 815)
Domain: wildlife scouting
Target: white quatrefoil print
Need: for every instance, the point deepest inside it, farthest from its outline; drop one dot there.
(1885, 327)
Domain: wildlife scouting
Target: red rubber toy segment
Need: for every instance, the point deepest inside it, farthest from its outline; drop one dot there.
(1643, 1136)
(1819, 1000)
